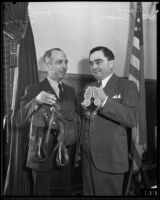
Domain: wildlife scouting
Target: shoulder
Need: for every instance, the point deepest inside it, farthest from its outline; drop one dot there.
(125, 83)
(68, 87)
(31, 88)
(35, 86)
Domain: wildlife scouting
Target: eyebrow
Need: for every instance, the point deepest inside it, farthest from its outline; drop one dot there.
(62, 60)
(96, 60)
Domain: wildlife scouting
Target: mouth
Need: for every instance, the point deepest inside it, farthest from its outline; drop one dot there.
(63, 73)
(96, 73)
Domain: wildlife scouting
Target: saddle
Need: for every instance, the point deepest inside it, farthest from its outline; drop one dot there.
(60, 118)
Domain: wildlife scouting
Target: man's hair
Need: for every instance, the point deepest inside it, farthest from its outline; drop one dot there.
(107, 52)
(48, 53)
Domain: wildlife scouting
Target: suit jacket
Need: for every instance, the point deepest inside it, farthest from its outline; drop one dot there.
(108, 131)
(28, 106)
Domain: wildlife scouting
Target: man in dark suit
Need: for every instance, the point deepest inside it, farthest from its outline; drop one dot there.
(104, 140)
(49, 178)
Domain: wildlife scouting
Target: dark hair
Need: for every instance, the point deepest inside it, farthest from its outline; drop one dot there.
(107, 52)
(48, 53)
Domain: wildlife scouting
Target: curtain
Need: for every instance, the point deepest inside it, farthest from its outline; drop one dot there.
(17, 24)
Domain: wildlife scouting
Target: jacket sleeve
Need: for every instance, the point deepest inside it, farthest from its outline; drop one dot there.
(126, 111)
(28, 106)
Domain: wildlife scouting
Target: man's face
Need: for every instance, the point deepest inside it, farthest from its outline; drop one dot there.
(57, 65)
(100, 66)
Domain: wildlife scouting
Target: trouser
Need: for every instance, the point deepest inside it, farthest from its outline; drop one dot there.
(97, 183)
(42, 181)
(50, 183)
(57, 181)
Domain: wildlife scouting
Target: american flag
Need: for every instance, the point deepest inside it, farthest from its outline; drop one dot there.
(136, 74)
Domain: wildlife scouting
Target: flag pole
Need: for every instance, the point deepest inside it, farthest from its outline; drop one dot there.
(136, 74)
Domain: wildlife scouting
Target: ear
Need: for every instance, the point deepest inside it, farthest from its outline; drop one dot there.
(47, 63)
(46, 66)
(46, 59)
(111, 63)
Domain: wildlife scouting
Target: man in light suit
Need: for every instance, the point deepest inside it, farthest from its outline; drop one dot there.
(49, 179)
(104, 141)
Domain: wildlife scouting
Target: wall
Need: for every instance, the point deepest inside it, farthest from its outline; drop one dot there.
(76, 27)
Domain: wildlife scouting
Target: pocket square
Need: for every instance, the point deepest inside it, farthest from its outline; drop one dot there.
(116, 96)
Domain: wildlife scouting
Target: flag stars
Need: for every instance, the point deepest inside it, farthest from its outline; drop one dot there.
(138, 19)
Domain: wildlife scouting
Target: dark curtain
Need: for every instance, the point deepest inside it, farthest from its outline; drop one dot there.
(17, 24)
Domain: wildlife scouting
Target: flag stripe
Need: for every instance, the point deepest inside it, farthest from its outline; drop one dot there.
(137, 156)
(136, 43)
(135, 62)
(134, 72)
(137, 34)
(136, 52)
(132, 78)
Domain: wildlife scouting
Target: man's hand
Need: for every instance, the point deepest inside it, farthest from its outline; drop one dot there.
(99, 94)
(87, 96)
(102, 95)
(45, 97)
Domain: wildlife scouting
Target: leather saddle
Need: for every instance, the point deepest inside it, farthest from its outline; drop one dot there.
(49, 118)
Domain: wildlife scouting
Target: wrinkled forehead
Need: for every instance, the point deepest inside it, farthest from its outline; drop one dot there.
(97, 55)
(58, 55)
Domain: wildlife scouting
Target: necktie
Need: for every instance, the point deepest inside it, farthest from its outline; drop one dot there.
(99, 84)
(61, 96)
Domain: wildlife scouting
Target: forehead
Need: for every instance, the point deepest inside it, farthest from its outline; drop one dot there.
(97, 55)
(58, 55)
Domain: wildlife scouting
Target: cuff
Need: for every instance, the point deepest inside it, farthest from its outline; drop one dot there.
(35, 105)
(104, 102)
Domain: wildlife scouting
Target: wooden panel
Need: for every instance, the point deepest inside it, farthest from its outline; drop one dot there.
(151, 115)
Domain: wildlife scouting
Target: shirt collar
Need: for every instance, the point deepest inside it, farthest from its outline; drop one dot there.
(105, 81)
(54, 85)
(52, 82)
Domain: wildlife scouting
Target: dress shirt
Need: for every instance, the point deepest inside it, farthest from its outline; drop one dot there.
(54, 85)
(103, 85)
(104, 81)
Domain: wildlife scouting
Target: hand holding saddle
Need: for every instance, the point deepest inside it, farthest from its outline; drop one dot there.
(92, 101)
(61, 117)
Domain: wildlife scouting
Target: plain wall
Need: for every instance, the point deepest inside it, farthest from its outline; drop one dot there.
(76, 27)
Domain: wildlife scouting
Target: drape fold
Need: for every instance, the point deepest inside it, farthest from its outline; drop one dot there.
(16, 23)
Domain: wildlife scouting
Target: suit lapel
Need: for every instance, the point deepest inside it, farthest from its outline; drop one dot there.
(45, 86)
(111, 85)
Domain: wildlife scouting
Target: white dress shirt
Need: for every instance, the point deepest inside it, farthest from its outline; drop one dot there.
(104, 82)
(54, 85)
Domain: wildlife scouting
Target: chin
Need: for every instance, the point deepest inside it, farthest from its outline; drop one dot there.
(97, 77)
(62, 76)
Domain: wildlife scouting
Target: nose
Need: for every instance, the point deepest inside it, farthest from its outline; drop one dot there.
(94, 66)
(64, 65)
